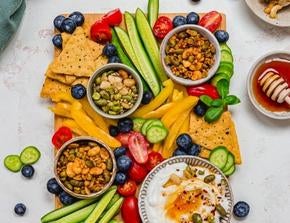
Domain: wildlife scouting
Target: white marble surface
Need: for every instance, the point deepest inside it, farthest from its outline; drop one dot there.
(264, 178)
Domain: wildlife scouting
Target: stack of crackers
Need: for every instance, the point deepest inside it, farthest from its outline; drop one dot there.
(79, 58)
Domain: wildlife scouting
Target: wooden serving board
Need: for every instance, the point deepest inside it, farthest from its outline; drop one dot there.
(89, 20)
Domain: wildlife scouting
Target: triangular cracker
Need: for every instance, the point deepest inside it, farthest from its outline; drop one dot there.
(51, 87)
(65, 79)
(219, 133)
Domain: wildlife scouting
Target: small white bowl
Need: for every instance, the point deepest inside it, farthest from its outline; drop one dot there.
(284, 55)
(204, 32)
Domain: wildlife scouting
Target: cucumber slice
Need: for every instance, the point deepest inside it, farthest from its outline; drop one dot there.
(13, 163)
(230, 171)
(101, 206)
(230, 162)
(61, 212)
(226, 56)
(138, 123)
(147, 71)
(223, 68)
(156, 122)
(153, 10)
(150, 43)
(124, 58)
(112, 211)
(30, 155)
(156, 134)
(227, 64)
(225, 47)
(219, 77)
(145, 125)
(219, 156)
(77, 216)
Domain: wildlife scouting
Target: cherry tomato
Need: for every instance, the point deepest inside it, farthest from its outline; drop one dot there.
(123, 138)
(211, 21)
(62, 135)
(101, 32)
(127, 189)
(138, 147)
(113, 18)
(137, 172)
(162, 26)
(130, 210)
(154, 158)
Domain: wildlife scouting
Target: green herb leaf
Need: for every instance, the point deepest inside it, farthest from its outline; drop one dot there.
(223, 88)
(217, 102)
(207, 100)
(213, 114)
(232, 100)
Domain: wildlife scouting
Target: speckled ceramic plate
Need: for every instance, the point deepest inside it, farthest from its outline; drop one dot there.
(190, 160)
(257, 7)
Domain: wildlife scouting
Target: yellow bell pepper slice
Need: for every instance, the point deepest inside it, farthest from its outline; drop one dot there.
(158, 113)
(110, 122)
(177, 96)
(62, 97)
(87, 124)
(173, 133)
(157, 101)
(181, 106)
(74, 127)
(181, 88)
(185, 126)
(61, 109)
(99, 120)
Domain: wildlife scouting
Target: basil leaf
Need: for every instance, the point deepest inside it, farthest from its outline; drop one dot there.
(217, 102)
(213, 114)
(207, 100)
(223, 88)
(232, 100)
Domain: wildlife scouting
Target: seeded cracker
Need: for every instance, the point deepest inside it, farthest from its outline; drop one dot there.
(219, 133)
(51, 87)
(65, 79)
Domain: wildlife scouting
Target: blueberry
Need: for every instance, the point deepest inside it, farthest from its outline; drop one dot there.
(194, 150)
(179, 152)
(27, 171)
(124, 163)
(114, 59)
(109, 50)
(53, 187)
(241, 209)
(184, 142)
(58, 21)
(120, 151)
(179, 21)
(222, 36)
(200, 109)
(147, 97)
(192, 18)
(78, 18)
(113, 130)
(20, 209)
(78, 91)
(125, 125)
(57, 41)
(68, 25)
(120, 178)
(66, 199)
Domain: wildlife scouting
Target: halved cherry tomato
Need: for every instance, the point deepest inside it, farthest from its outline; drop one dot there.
(130, 210)
(128, 188)
(101, 32)
(137, 172)
(62, 135)
(154, 158)
(113, 18)
(162, 26)
(211, 21)
(123, 138)
(138, 147)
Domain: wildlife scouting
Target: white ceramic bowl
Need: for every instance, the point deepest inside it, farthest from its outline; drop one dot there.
(284, 55)
(204, 32)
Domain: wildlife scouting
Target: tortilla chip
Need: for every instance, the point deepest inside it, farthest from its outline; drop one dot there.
(51, 87)
(219, 133)
(65, 79)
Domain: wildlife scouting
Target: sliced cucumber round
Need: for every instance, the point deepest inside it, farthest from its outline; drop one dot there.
(13, 163)
(225, 47)
(219, 156)
(230, 171)
(226, 56)
(156, 134)
(138, 123)
(230, 162)
(30, 155)
(145, 125)
(219, 77)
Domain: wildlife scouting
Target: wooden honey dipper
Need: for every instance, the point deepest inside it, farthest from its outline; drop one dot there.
(274, 86)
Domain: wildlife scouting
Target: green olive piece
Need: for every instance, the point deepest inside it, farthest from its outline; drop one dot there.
(209, 178)
(196, 218)
(221, 210)
(96, 96)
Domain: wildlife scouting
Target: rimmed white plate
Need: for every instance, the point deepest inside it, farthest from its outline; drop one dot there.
(190, 160)
(257, 7)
